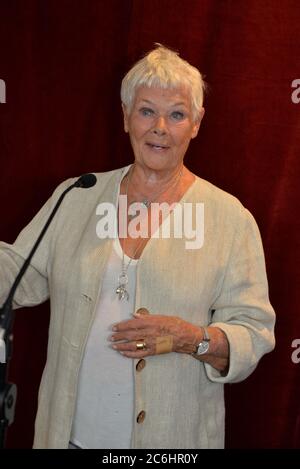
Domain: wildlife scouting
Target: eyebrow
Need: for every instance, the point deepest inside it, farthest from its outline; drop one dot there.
(181, 103)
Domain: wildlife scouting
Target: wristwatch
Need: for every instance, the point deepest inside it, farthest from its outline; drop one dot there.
(203, 347)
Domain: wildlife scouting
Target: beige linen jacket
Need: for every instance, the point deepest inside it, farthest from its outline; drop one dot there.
(223, 284)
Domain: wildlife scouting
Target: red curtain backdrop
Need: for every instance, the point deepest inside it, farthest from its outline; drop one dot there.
(62, 63)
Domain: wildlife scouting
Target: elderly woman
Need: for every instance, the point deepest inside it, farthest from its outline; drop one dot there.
(144, 329)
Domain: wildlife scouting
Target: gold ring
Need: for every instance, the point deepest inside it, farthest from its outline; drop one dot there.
(141, 345)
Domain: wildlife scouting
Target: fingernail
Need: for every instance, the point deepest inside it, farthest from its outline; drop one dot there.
(142, 311)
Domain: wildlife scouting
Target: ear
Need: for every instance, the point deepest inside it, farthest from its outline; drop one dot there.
(197, 123)
(125, 116)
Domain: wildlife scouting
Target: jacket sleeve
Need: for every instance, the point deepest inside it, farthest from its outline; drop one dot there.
(242, 309)
(33, 288)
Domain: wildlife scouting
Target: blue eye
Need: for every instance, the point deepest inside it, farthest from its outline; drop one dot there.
(145, 111)
(177, 115)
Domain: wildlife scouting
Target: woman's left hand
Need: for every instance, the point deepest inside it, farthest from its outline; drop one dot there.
(148, 334)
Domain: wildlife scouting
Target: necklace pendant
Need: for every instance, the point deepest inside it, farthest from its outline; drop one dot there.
(122, 292)
(146, 202)
(121, 289)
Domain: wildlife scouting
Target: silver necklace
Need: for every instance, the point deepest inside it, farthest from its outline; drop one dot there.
(121, 289)
(147, 202)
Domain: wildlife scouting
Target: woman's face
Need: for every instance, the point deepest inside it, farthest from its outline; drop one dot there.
(160, 127)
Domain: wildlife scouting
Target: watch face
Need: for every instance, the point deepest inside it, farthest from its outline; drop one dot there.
(203, 347)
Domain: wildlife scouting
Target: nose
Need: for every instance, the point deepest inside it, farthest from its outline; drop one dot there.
(160, 126)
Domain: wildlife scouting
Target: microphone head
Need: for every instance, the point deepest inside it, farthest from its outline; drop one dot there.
(86, 180)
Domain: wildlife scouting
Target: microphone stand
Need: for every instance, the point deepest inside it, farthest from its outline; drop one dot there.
(8, 391)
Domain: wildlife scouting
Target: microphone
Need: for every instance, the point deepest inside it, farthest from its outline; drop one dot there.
(8, 391)
(85, 181)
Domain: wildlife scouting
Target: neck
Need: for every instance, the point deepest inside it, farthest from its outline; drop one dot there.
(146, 180)
(150, 185)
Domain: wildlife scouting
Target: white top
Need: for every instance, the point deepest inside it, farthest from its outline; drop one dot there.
(104, 410)
(105, 397)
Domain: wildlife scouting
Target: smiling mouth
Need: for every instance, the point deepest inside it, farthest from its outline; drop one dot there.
(157, 147)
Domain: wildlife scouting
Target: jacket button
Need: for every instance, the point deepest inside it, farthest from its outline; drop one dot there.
(140, 365)
(141, 417)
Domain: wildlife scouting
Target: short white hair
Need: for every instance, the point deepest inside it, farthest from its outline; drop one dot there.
(163, 68)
